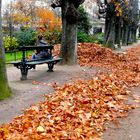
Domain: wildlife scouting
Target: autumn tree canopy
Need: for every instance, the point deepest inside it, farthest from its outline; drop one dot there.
(31, 13)
(47, 19)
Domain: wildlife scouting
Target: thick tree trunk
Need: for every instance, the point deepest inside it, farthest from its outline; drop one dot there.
(4, 88)
(135, 34)
(110, 33)
(138, 32)
(134, 29)
(106, 30)
(118, 31)
(68, 49)
(132, 37)
(125, 34)
(110, 26)
(134, 15)
(129, 35)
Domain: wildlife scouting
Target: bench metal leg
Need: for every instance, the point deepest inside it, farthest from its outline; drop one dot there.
(24, 72)
(50, 67)
(34, 66)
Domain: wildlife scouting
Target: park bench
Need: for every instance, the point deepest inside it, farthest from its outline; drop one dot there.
(25, 64)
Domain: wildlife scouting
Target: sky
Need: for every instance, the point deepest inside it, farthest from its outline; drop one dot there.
(4, 2)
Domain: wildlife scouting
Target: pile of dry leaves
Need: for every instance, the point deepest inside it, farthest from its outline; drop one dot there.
(80, 110)
(124, 66)
(95, 55)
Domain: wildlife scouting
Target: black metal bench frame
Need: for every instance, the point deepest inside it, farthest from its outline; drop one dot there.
(24, 65)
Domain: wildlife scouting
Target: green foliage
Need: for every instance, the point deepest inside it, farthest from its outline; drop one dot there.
(138, 38)
(16, 55)
(97, 38)
(84, 24)
(53, 37)
(82, 37)
(26, 36)
(10, 43)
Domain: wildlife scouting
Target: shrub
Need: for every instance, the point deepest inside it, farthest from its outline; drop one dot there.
(53, 37)
(26, 36)
(83, 37)
(84, 24)
(10, 43)
(98, 38)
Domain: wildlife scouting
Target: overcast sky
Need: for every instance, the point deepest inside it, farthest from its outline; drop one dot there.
(4, 2)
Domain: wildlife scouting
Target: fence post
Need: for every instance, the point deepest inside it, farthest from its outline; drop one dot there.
(15, 55)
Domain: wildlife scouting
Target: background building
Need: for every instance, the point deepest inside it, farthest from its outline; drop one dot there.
(91, 8)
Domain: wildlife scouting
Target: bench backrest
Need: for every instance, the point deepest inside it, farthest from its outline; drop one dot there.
(43, 47)
(25, 48)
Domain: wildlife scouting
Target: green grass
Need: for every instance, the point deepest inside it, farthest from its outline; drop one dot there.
(12, 56)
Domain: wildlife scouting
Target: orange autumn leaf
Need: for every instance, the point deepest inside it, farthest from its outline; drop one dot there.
(48, 19)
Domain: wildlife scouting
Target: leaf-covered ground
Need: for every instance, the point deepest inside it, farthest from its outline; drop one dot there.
(82, 109)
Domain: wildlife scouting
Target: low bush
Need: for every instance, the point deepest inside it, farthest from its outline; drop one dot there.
(10, 43)
(83, 37)
(98, 38)
(53, 37)
(26, 36)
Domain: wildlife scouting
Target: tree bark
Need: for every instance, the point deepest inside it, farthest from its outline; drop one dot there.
(68, 49)
(110, 26)
(4, 87)
(125, 34)
(134, 30)
(118, 31)
(129, 35)
(110, 33)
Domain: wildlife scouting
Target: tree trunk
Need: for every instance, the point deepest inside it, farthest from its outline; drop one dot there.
(68, 49)
(106, 29)
(110, 26)
(4, 87)
(132, 32)
(118, 31)
(129, 35)
(125, 34)
(134, 29)
(138, 32)
(110, 33)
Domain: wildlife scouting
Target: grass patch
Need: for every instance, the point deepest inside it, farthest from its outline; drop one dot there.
(14, 56)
